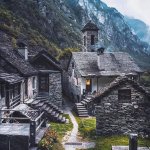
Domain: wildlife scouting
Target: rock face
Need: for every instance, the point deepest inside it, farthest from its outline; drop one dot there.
(58, 23)
(115, 116)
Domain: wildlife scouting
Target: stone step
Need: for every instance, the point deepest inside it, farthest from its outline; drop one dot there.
(60, 117)
(63, 120)
(53, 113)
(82, 110)
(39, 104)
(86, 100)
(44, 107)
(35, 102)
(41, 97)
(56, 115)
(79, 104)
(83, 102)
(85, 115)
(47, 109)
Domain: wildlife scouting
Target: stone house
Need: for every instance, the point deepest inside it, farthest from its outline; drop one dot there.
(30, 89)
(49, 76)
(123, 107)
(92, 69)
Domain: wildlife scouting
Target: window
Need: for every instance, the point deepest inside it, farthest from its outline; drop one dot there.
(34, 83)
(11, 94)
(16, 90)
(26, 88)
(84, 40)
(2, 91)
(124, 95)
(92, 39)
(72, 65)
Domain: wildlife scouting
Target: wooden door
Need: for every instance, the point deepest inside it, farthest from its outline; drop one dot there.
(44, 83)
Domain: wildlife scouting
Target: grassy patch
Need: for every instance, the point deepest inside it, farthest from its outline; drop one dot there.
(62, 128)
(105, 143)
(86, 127)
(87, 130)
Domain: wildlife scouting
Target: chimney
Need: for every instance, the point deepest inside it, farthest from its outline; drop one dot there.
(100, 52)
(23, 50)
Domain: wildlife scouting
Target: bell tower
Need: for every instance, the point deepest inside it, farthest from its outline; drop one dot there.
(90, 36)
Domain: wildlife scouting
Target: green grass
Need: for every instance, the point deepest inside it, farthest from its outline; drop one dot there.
(61, 128)
(87, 131)
(86, 127)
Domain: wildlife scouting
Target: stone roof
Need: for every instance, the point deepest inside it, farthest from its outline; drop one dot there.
(48, 57)
(15, 59)
(118, 82)
(27, 111)
(113, 64)
(90, 26)
(10, 78)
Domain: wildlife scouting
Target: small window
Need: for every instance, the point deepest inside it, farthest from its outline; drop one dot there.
(26, 88)
(33, 83)
(92, 39)
(84, 40)
(72, 65)
(16, 90)
(124, 95)
(2, 91)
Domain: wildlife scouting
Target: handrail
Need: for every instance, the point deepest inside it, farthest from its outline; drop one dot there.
(38, 127)
(39, 117)
(18, 110)
(18, 118)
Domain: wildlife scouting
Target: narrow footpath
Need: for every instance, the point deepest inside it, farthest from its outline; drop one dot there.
(71, 142)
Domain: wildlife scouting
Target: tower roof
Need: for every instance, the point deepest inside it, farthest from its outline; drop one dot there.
(90, 26)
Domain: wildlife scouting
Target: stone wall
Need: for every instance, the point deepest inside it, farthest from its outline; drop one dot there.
(71, 89)
(55, 88)
(88, 34)
(14, 142)
(116, 117)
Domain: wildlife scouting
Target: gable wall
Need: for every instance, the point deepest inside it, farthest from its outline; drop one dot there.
(70, 86)
(116, 117)
(42, 63)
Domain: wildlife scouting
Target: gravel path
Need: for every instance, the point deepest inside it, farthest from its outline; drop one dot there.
(71, 141)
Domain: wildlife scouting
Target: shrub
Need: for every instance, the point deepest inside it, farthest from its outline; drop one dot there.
(48, 141)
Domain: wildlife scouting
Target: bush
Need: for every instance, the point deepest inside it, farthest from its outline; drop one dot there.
(48, 141)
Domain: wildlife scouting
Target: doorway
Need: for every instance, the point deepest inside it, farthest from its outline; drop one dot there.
(44, 83)
(88, 85)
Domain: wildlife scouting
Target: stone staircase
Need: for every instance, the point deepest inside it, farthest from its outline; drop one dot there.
(53, 113)
(82, 107)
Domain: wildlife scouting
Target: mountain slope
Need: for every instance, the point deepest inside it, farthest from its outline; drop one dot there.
(56, 25)
(114, 31)
(24, 19)
(139, 28)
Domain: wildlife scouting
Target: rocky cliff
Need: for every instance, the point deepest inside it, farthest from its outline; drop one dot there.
(56, 25)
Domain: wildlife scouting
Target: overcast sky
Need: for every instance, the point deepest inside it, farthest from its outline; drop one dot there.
(139, 9)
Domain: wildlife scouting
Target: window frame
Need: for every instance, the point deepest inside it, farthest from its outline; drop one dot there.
(124, 95)
(92, 39)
